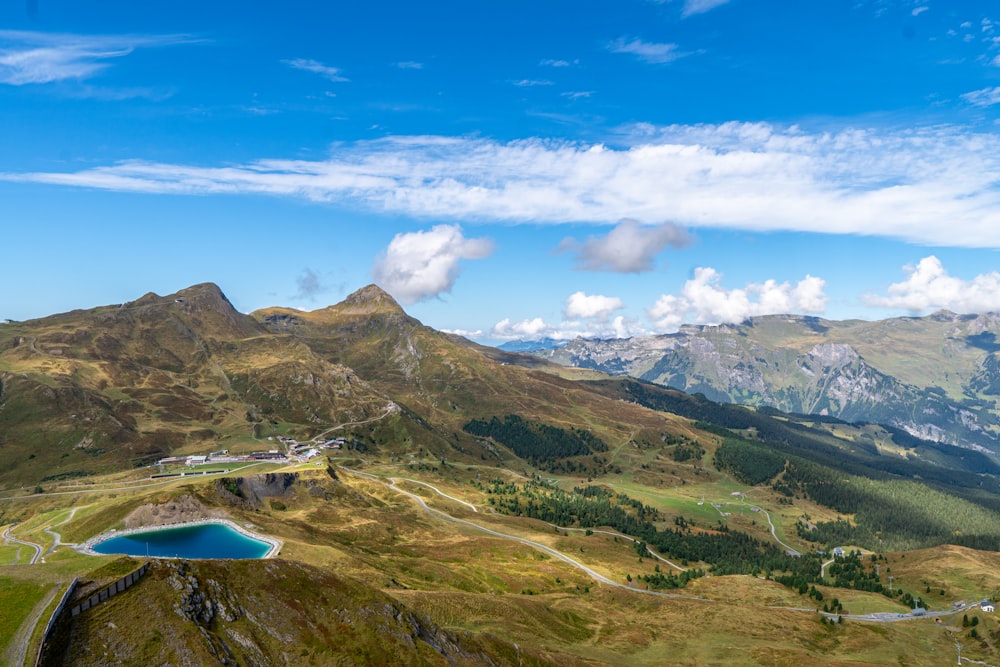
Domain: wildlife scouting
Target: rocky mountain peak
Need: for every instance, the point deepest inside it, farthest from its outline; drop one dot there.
(373, 297)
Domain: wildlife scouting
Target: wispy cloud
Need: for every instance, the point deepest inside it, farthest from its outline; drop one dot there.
(917, 11)
(628, 248)
(650, 52)
(28, 57)
(983, 98)
(692, 7)
(928, 287)
(409, 64)
(309, 285)
(552, 62)
(529, 83)
(894, 183)
(421, 265)
(577, 94)
(316, 67)
(703, 300)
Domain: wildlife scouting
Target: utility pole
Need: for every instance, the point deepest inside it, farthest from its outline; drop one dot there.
(890, 583)
(959, 647)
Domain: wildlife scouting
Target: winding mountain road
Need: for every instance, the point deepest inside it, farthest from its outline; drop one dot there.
(878, 617)
(444, 516)
(56, 537)
(37, 547)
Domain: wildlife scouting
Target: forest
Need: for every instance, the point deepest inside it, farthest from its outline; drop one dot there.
(888, 513)
(535, 441)
(725, 551)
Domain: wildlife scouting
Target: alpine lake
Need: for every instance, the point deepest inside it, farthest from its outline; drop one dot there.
(208, 540)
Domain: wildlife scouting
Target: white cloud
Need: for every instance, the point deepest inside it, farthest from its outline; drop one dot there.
(316, 67)
(552, 62)
(692, 7)
(578, 94)
(917, 11)
(409, 64)
(28, 57)
(650, 52)
(902, 183)
(530, 83)
(628, 248)
(420, 265)
(929, 287)
(536, 328)
(704, 301)
(531, 329)
(465, 333)
(592, 306)
(984, 97)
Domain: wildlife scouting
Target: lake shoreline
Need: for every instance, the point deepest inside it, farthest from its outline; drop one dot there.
(274, 543)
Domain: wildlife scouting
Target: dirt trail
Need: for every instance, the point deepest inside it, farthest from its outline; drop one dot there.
(19, 642)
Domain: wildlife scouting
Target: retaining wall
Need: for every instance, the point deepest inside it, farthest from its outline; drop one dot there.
(52, 621)
(114, 589)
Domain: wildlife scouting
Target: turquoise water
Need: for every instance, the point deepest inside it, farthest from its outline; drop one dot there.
(210, 540)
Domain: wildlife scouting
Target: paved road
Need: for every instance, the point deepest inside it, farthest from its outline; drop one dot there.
(37, 547)
(125, 487)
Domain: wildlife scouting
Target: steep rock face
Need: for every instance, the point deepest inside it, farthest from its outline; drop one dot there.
(932, 377)
(182, 508)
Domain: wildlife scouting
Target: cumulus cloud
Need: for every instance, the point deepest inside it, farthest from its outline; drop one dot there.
(628, 248)
(528, 329)
(28, 57)
(754, 176)
(316, 67)
(929, 287)
(420, 265)
(650, 52)
(596, 306)
(704, 301)
(537, 328)
(465, 333)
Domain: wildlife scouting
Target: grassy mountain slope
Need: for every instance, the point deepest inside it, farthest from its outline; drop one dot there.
(272, 613)
(371, 572)
(95, 390)
(448, 381)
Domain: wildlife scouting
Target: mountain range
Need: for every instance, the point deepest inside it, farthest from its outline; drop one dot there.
(494, 507)
(935, 377)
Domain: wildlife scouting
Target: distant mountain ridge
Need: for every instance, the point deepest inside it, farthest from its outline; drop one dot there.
(531, 345)
(936, 377)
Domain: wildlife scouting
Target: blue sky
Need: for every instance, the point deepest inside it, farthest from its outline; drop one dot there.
(505, 169)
